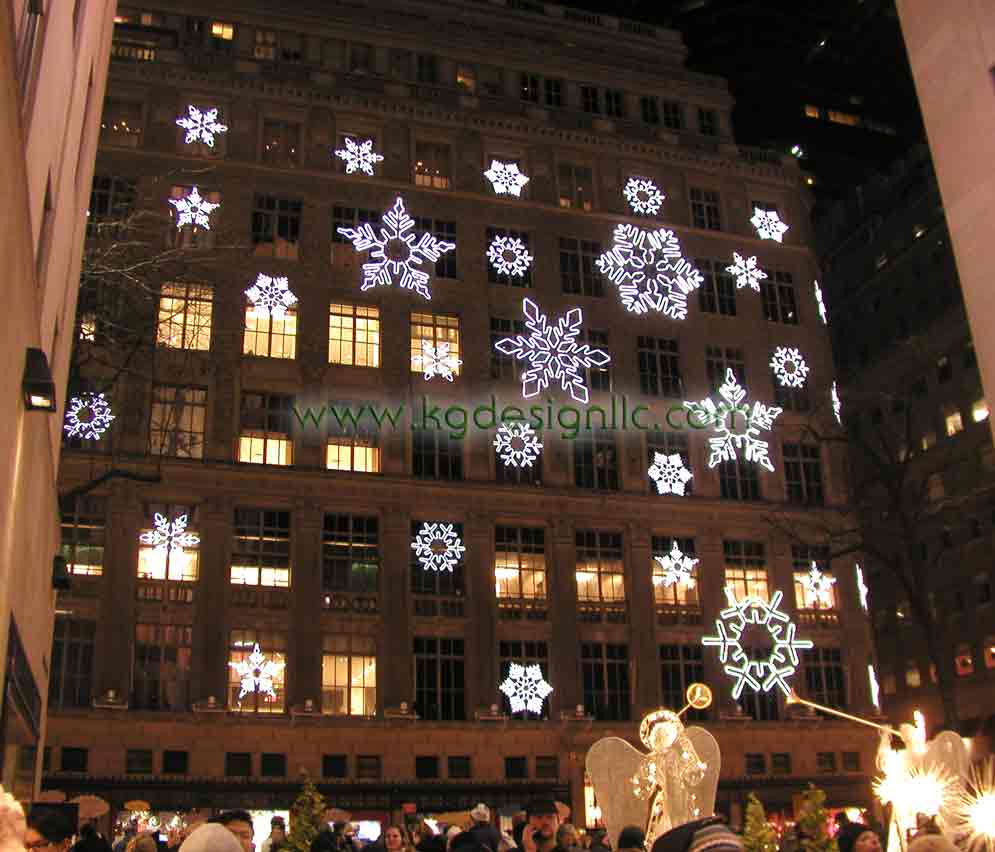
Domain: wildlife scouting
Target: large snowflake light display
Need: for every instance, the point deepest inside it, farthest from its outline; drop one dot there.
(747, 273)
(677, 568)
(271, 297)
(517, 444)
(780, 664)
(736, 427)
(201, 125)
(552, 352)
(669, 473)
(834, 396)
(509, 256)
(257, 674)
(87, 416)
(768, 224)
(191, 209)
(359, 156)
(789, 367)
(169, 536)
(820, 302)
(436, 360)
(819, 586)
(394, 254)
(438, 547)
(526, 688)
(643, 196)
(505, 178)
(649, 271)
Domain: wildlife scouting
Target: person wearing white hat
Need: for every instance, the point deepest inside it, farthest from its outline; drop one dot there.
(482, 829)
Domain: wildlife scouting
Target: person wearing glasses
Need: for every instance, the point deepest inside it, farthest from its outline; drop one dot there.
(48, 831)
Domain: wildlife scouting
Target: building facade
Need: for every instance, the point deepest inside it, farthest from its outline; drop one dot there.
(386, 675)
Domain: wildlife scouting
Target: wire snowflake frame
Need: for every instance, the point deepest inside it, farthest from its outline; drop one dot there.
(506, 178)
(677, 568)
(435, 359)
(88, 417)
(271, 297)
(526, 688)
(201, 125)
(819, 585)
(789, 367)
(438, 547)
(644, 197)
(747, 273)
(192, 209)
(669, 473)
(359, 156)
(257, 674)
(169, 536)
(517, 444)
(509, 256)
(768, 224)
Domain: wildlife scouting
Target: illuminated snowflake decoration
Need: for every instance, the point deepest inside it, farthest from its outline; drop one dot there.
(437, 360)
(509, 256)
(87, 417)
(736, 427)
(768, 224)
(517, 444)
(820, 302)
(526, 688)
(780, 664)
(677, 568)
(169, 536)
(862, 589)
(505, 178)
(359, 156)
(649, 271)
(271, 297)
(643, 196)
(201, 125)
(553, 352)
(395, 255)
(789, 367)
(191, 209)
(747, 273)
(819, 585)
(834, 396)
(438, 547)
(257, 674)
(669, 473)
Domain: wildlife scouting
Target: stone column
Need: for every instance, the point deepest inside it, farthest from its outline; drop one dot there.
(395, 680)
(564, 666)
(210, 633)
(481, 646)
(708, 548)
(642, 621)
(304, 642)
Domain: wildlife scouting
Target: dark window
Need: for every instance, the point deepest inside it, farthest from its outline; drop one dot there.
(273, 765)
(505, 366)
(777, 293)
(238, 763)
(175, 762)
(265, 433)
(553, 92)
(668, 443)
(436, 455)
(368, 767)
(851, 761)
(792, 399)
(825, 679)
(445, 266)
(605, 670)
(761, 706)
(74, 759)
(659, 367)
(529, 87)
(83, 535)
(578, 273)
(350, 554)
(334, 766)
(439, 678)
(459, 766)
(495, 277)
(177, 418)
(673, 115)
(944, 372)
(650, 110)
(599, 378)
(350, 217)
(276, 226)
(71, 680)
(281, 143)
(825, 761)
(680, 666)
(138, 761)
(803, 474)
(261, 546)
(161, 676)
(525, 653)
(706, 211)
(595, 460)
(738, 480)
(427, 766)
(614, 103)
(719, 360)
(780, 763)
(516, 767)
(756, 764)
(428, 582)
(547, 767)
(708, 122)
(427, 69)
(590, 100)
(111, 201)
(717, 294)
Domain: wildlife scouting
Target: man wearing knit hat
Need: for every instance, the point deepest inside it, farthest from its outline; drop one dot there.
(482, 830)
(543, 819)
(702, 835)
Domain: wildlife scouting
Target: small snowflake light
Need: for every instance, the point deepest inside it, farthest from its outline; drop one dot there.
(395, 255)
(526, 688)
(552, 352)
(782, 661)
(834, 396)
(736, 427)
(649, 271)
(201, 125)
(437, 360)
(438, 547)
(643, 196)
(505, 178)
(88, 416)
(517, 444)
(862, 589)
(191, 209)
(677, 568)
(169, 536)
(359, 156)
(509, 256)
(789, 367)
(669, 473)
(747, 273)
(768, 224)
(820, 302)
(271, 297)
(257, 674)
(819, 586)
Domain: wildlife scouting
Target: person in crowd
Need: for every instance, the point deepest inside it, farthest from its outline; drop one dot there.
(931, 843)
(451, 833)
(238, 823)
(277, 835)
(212, 837)
(858, 837)
(144, 842)
(543, 820)
(466, 842)
(482, 830)
(585, 841)
(426, 840)
(396, 839)
(90, 840)
(49, 831)
(325, 841)
(598, 841)
(517, 830)
(702, 835)
(567, 838)
(632, 839)
(130, 830)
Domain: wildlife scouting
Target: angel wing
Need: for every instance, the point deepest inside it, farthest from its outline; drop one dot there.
(611, 763)
(708, 751)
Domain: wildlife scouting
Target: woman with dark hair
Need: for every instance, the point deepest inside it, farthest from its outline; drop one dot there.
(397, 839)
(49, 830)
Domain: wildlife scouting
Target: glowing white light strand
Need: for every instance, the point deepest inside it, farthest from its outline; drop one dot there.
(201, 125)
(509, 256)
(191, 209)
(789, 367)
(872, 680)
(438, 547)
(649, 271)
(359, 156)
(820, 303)
(169, 536)
(834, 396)
(735, 425)
(768, 224)
(271, 297)
(747, 273)
(526, 688)
(437, 360)
(517, 444)
(257, 674)
(974, 808)
(506, 178)
(819, 586)
(669, 473)
(552, 352)
(395, 256)
(677, 568)
(643, 195)
(861, 588)
(88, 416)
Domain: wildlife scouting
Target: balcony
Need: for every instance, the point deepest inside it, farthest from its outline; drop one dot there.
(670, 615)
(432, 607)
(348, 602)
(598, 612)
(155, 591)
(818, 618)
(516, 609)
(252, 596)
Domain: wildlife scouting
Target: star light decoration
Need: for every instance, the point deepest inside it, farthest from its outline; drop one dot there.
(643, 196)
(88, 416)
(736, 427)
(191, 209)
(201, 125)
(359, 156)
(553, 352)
(438, 547)
(436, 360)
(526, 688)
(974, 808)
(821, 304)
(677, 568)
(768, 224)
(780, 664)
(509, 256)
(747, 273)
(505, 178)
(834, 396)
(789, 367)
(649, 271)
(257, 674)
(395, 256)
(271, 297)
(169, 537)
(669, 473)
(819, 586)
(517, 444)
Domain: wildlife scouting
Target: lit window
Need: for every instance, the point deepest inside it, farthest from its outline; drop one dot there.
(466, 78)
(219, 29)
(809, 595)
(83, 534)
(354, 335)
(600, 570)
(176, 421)
(679, 593)
(745, 568)
(269, 337)
(261, 548)
(185, 316)
(273, 646)
(913, 677)
(811, 111)
(954, 423)
(122, 123)
(990, 652)
(353, 440)
(265, 429)
(265, 45)
(979, 411)
(166, 563)
(432, 165)
(576, 185)
(964, 660)
(358, 454)
(520, 563)
(436, 329)
(928, 440)
(348, 676)
(843, 118)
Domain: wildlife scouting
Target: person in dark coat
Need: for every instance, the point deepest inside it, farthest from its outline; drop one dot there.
(482, 830)
(90, 840)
